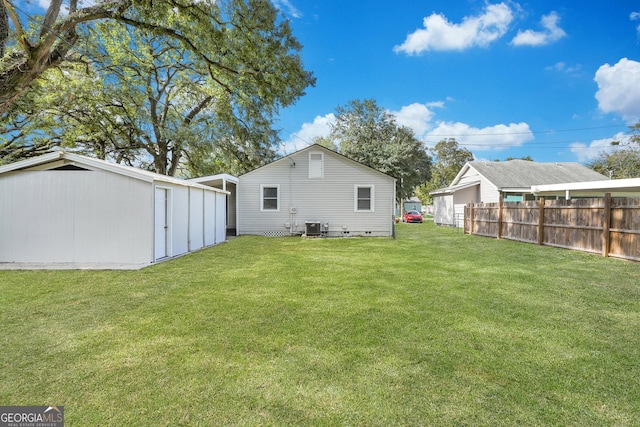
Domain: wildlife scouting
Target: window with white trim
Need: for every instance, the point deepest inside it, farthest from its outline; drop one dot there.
(270, 198)
(316, 165)
(364, 198)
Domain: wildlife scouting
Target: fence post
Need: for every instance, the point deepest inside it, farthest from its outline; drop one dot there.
(471, 218)
(499, 236)
(606, 234)
(541, 221)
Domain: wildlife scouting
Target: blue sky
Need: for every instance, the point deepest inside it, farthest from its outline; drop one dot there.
(554, 80)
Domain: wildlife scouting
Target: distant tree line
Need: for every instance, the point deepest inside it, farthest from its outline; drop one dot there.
(369, 134)
(624, 160)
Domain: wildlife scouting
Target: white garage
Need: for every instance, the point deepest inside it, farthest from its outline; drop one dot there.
(63, 210)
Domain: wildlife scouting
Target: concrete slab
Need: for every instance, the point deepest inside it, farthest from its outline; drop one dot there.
(69, 266)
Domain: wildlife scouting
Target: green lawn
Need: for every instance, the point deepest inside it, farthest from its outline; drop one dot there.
(433, 328)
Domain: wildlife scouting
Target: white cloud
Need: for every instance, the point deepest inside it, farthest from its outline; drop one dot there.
(417, 117)
(288, 7)
(635, 16)
(564, 68)
(573, 71)
(619, 89)
(440, 34)
(64, 8)
(589, 152)
(552, 32)
(321, 127)
(490, 138)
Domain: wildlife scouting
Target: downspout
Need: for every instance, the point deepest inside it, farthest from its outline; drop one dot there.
(291, 206)
(393, 211)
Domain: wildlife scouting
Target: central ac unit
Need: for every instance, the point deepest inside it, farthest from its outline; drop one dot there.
(312, 228)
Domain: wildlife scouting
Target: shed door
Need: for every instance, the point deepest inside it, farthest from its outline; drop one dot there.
(161, 223)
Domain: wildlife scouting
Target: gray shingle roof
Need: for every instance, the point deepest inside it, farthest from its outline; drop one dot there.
(522, 173)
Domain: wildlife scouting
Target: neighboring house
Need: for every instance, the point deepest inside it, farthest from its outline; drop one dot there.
(413, 204)
(318, 192)
(63, 210)
(508, 181)
(629, 187)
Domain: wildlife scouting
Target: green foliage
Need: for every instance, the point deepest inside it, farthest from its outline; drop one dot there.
(368, 134)
(450, 158)
(624, 160)
(326, 142)
(527, 158)
(171, 87)
(618, 164)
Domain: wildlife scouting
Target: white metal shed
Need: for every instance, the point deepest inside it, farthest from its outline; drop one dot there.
(64, 210)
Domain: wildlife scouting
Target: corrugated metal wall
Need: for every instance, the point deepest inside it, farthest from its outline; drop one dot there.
(93, 218)
(74, 217)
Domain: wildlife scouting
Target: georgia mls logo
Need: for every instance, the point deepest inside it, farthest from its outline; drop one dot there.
(31, 416)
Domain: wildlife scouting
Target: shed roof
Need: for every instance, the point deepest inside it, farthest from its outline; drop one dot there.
(524, 174)
(454, 188)
(60, 158)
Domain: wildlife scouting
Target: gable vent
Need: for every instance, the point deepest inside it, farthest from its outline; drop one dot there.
(69, 167)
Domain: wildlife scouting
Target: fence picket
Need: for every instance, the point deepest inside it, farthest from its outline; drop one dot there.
(609, 226)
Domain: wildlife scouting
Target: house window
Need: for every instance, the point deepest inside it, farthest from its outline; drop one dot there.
(316, 166)
(270, 196)
(364, 198)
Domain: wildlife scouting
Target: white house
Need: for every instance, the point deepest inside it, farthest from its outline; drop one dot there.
(317, 192)
(510, 181)
(63, 210)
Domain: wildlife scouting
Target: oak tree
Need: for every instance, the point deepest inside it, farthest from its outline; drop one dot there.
(176, 82)
(367, 133)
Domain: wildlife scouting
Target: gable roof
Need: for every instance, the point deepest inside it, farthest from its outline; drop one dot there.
(524, 174)
(60, 158)
(320, 147)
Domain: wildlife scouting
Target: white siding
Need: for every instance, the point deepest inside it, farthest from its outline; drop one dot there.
(328, 200)
(220, 211)
(443, 213)
(179, 220)
(471, 175)
(196, 219)
(458, 215)
(461, 198)
(101, 218)
(210, 218)
(161, 223)
(75, 217)
(488, 192)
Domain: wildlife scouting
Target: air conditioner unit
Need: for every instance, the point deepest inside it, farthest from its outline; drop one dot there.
(312, 228)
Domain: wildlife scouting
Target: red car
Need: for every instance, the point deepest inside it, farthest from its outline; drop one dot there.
(412, 216)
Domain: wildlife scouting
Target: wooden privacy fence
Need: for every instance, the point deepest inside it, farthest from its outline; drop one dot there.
(607, 226)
